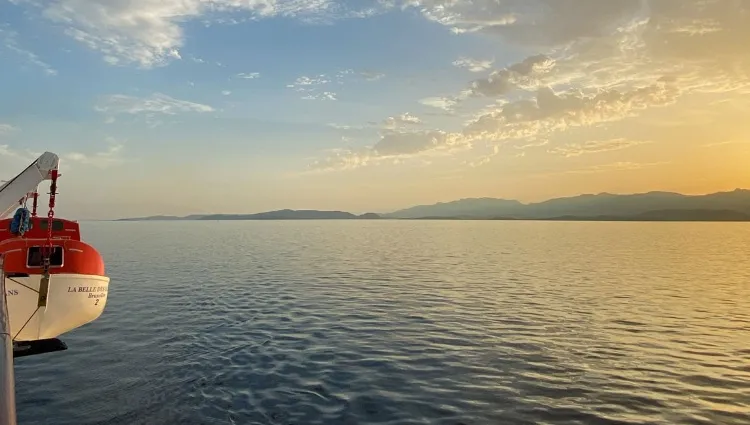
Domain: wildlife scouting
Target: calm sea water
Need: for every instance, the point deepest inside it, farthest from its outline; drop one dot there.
(394, 322)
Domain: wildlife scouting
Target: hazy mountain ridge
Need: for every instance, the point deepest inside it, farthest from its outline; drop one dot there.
(604, 204)
(285, 215)
(269, 215)
(651, 206)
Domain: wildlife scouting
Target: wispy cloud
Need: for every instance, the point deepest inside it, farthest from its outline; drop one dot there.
(394, 146)
(301, 83)
(577, 149)
(473, 65)
(554, 112)
(7, 129)
(726, 142)
(447, 104)
(344, 126)
(248, 75)
(102, 159)
(157, 103)
(403, 120)
(309, 87)
(522, 123)
(321, 86)
(22, 154)
(326, 95)
(597, 63)
(372, 76)
(10, 41)
(150, 33)
(615, 166)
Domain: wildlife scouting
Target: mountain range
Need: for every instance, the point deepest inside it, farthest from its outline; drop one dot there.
(270, 215)
(651, 206)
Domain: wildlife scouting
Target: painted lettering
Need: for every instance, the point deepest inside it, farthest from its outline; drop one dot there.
(91, 289)
(88, 289)
(11, 292)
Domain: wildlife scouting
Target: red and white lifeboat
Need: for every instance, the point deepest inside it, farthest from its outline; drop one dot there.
(76, 292)
(54, 282)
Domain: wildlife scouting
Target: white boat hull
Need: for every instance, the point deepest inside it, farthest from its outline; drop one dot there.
(72, 301)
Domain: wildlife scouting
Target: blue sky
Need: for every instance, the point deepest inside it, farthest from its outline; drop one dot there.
(179, 107)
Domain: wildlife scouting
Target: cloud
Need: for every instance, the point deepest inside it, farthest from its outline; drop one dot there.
(157, 103)
(613, 42)
(249, 75)
(10, 41)
(320, 87)
(372, 76)
(302, 83)
(591, 49)
(7, 129)
(149, 33)
(402, 120)
(308, 87)
(524, 74)
(578, 149)
(446, 103)
(109, 157)
(615, 166)
(226, 92)
(394, 146)
(591, 63)
(396, 122)
(520, 124)
(726, 142)
(345, 126)
(552, 112)
(530, 22)
(326, 95)
(102, 159)
(473, 65)
(25, 154)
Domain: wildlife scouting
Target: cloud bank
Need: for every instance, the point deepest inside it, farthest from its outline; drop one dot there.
(591, 64)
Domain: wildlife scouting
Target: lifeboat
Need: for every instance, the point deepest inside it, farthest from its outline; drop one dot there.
(54, 282)
(75, 292)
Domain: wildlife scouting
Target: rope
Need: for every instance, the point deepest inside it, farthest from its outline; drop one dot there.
(47, 252)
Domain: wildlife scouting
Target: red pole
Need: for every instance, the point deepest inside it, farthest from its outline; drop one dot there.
(33, 208)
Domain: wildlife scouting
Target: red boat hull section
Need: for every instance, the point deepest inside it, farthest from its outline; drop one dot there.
(77, 257)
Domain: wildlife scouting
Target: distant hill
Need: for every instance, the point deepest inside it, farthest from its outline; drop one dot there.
(651, 206)
(162, 218)
(270, 215)
(464, 208)
(665, 215)
(285, 215)
(582, 206)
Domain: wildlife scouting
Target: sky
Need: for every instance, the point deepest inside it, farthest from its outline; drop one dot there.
(238, 106)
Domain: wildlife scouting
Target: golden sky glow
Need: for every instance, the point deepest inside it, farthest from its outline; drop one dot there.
(550, 98)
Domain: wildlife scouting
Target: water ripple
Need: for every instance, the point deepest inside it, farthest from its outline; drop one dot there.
(452, 323)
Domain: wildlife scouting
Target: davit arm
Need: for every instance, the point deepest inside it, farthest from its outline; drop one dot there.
(19, 186)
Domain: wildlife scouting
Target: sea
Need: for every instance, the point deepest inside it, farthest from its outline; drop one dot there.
(406, 322)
